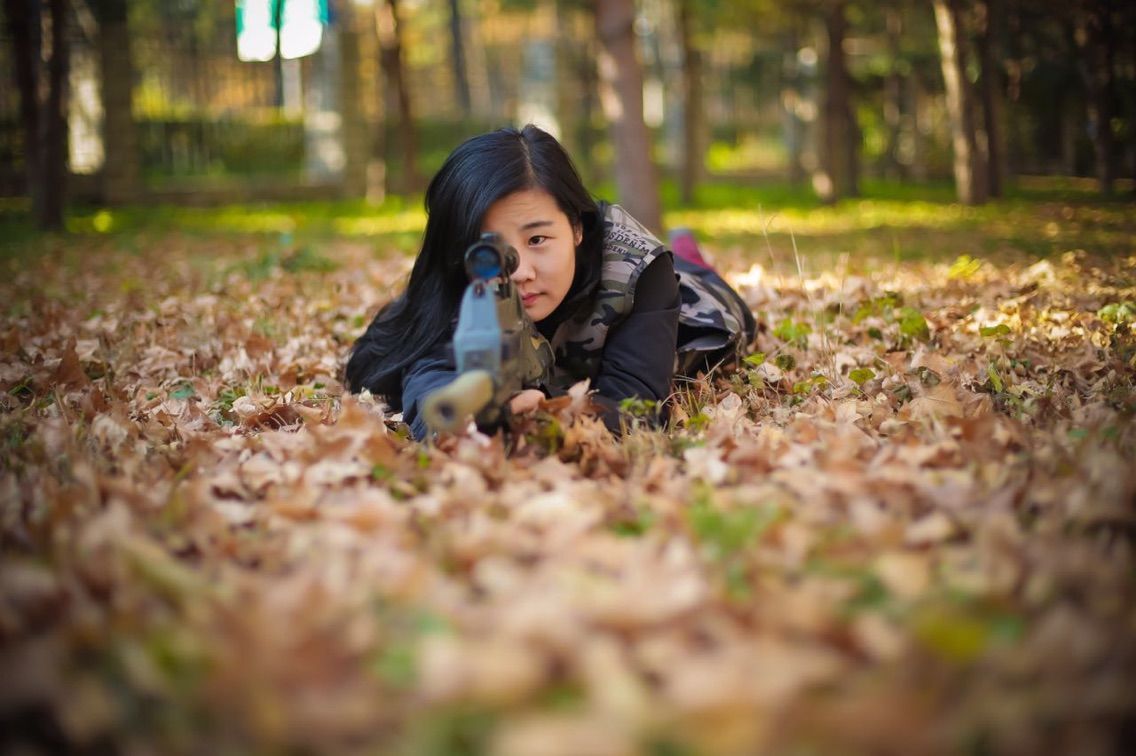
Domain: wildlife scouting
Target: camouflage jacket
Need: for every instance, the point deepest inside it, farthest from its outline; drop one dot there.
(713, 321)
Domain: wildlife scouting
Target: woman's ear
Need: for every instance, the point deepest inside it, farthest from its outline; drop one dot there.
(578, 233)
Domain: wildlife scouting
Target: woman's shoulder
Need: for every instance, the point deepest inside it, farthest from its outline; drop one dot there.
(629, 248)
(625, 237)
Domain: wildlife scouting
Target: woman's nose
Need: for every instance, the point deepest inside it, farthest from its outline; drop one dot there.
(524, 271)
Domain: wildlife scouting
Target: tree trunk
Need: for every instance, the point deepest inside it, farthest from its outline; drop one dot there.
(991, 83)
(24, 25)
(692, 128)
(1015, 142)
(120, 173)
(621, 97)
(567, 103)
(969, 170)
(918, 107)
(457, 59)
(1098, 52)
(838, 149)
(43, 104)
(1129, 23)
(589, 86)
(55, 118)
(353, 129)
(1072, 120)
(389, 26)
(893, 95)
(278, 58)
(792, 96)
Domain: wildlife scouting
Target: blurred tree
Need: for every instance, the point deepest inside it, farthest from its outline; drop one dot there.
(893, 91)
(836, 136)
(457, 58)
(278, 58)
(839, 148)
(693, 128)
(576, 59)
(388, 24)
(988, 18)
(1097, 43)
(969, 163)
(621, 97)
(793, 99)
(570, 111)
(1044, 98)
(120, 173)
(1013, 57)
(41, 78)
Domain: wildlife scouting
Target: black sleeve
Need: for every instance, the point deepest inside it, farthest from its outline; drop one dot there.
(639, 354)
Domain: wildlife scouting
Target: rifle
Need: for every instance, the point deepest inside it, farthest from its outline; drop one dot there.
(496, 347)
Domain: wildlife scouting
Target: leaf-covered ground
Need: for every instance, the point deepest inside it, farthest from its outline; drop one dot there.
(905, 525)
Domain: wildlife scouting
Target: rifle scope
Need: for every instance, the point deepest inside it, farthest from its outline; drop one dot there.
(490, 257)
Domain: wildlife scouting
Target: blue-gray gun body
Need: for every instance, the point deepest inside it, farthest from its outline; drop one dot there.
(497, 350)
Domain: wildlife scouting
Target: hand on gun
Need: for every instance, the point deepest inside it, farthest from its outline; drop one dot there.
(525, 401)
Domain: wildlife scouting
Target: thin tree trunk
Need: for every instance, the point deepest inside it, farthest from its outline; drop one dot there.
(621, 96)
(587, 77)
(1098, 51)
(692, 138)
(353, 131)
(792, 94)
(991, 89)
(43, 102)
(969, 171)
(838, 148)
(1129, 23)
(1015, 141)
(55, 118)
(120, 179)
(893, 94)
(917, 106)
(1072, 120)
(457, 58)
(567, 104)
(278, 59)
(24, 24)
(389, 27)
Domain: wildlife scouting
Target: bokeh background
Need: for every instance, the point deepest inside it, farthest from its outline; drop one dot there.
(663, 103)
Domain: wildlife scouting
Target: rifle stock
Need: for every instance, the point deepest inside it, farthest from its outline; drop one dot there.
(446, 409)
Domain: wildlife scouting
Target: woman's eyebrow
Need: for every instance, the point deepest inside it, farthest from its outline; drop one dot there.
(535, 224)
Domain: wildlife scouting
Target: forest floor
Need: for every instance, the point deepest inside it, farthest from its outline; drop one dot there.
(905, 524)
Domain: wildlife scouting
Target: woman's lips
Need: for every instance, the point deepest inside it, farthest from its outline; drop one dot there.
(528, 299)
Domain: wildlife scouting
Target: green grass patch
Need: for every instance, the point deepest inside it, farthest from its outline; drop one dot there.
(748, 219)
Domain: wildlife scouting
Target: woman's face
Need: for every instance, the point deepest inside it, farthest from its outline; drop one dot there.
(532, 222)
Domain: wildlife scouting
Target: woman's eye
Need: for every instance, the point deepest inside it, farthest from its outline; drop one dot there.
(536, 241)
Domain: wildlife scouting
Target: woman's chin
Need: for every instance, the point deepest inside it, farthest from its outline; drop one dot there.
(537, 311)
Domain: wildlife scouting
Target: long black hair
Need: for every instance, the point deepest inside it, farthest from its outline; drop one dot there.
(479, 172)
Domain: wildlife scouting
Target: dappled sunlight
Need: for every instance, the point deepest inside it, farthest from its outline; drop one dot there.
(849, 216)
(409, 221)
(325, 219)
